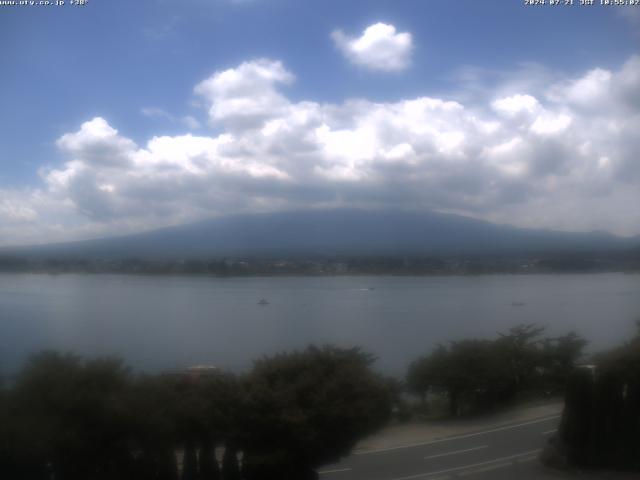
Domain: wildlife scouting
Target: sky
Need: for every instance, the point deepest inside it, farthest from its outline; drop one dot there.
(119, 116)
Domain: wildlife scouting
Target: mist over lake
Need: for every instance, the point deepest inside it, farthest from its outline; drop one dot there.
(158, 323)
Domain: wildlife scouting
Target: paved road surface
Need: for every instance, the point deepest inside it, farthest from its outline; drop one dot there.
(500, 453)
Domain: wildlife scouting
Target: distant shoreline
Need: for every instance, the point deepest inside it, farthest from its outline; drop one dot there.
(315, 275)
(337, 265)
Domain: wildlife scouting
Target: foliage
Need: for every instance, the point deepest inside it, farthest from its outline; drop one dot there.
(601, 422)
(559, 357)
(309, 408)
(69, 418)
(481, 374)
(61, 410)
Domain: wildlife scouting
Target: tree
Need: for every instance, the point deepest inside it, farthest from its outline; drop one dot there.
(309, 408)
(7, 457)
(559, 358)
(152, 404)
(600, 424)
(520, 349)
(481, 374)
(187, 412)
(470, 372)
(69, 418)
(419, 376)
(433, 372)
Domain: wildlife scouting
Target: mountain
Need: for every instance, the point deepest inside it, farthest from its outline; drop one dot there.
(338, 232)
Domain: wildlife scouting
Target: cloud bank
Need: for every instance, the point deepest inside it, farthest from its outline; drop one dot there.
(564, 157)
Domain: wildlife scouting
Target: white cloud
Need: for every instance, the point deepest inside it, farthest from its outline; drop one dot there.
(97, 143)
(187, 120)
(246, 95)
(627, 81)
(15, 210)
(591, 90)
(154, 112)
(190, 122)
(379, 47)
(515, 105)
(528, 157)
(551, 124)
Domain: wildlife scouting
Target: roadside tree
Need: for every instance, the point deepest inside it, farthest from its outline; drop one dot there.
(309, 408)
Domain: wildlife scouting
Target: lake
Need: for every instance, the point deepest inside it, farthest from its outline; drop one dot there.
(164, 322)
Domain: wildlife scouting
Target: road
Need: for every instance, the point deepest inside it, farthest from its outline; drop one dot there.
(498, 453)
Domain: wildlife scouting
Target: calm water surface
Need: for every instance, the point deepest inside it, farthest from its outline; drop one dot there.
(164, 322)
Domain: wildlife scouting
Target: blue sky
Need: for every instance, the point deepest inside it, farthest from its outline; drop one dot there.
(132, 69)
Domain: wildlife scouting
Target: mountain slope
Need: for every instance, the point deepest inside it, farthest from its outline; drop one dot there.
(338, 232)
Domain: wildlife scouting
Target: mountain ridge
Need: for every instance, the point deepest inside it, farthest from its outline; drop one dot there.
(335, 232)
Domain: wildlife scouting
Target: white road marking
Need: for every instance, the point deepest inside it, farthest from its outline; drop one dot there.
(488, 468)
(458, 437)
(529, 459)
(549, 432)
(502, 461)
(337, 470)
(456, 452)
